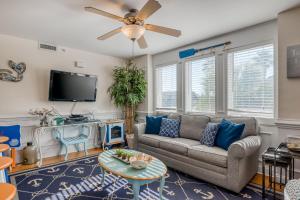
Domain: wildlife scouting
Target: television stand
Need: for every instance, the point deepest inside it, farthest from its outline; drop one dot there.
(85, 129)
(75, 116)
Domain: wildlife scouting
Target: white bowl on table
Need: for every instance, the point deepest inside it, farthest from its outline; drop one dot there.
(138, 164)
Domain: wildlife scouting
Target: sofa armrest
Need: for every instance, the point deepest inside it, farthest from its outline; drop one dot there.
(245, 147)
(138, 129)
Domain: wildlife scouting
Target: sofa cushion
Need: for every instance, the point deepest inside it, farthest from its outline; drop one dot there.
(178, 145)
(151, 140)
(250, 124)
(166, 156)
(153, 124)
(169, 128)
(211, 155)
(228, 133)
(192, 126)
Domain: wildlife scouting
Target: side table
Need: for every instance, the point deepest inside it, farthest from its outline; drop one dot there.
(274, 159)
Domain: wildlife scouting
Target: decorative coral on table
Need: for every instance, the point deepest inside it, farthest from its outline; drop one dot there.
(43, 114)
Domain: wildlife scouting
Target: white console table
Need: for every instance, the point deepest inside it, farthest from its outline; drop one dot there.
(41, 130)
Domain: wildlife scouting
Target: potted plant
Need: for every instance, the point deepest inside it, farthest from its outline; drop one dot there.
(127, 92)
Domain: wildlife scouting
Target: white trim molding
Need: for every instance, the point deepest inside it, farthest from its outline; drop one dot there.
(288, 124)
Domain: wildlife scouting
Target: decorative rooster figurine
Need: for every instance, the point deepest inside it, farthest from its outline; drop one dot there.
(7, 75)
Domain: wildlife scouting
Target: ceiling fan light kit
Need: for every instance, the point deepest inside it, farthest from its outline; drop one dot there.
(133, 31)
(134, 27)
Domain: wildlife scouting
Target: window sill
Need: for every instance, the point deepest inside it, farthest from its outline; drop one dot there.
(200, 113)
(165, 110)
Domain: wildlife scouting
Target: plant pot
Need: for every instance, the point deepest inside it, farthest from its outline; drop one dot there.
(130, 141)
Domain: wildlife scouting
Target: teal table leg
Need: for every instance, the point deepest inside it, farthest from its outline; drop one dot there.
(136, 190)
(103, 176)
(161, 187)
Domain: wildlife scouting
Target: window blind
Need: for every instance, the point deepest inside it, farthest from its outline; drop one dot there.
(251, 81)
(202, 77)
(166, 87)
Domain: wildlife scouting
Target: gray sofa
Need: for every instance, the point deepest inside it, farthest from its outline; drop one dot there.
(231, 169)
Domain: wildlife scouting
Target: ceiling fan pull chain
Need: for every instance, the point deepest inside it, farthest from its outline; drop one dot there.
(132, 52)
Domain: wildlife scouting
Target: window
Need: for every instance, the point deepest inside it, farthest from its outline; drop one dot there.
(166, 87)
(251, 82)
(201, 83)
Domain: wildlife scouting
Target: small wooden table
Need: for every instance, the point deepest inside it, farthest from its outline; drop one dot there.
(8, 191)
(3, 147)
(5, 162)
(3, 139)
(156, 170)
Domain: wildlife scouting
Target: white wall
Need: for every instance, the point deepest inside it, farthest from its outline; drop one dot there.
(289, 93)
(32, 91)
(259, 33)
(145, 63)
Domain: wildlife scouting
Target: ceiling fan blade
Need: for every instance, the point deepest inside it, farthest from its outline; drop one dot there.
(109, 34)
(142, 42)
(120, 4)
(149, 8)
(103, 13)
(163, 30)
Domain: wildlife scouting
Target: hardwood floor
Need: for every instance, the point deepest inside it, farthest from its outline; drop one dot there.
(258, 181)
(57, 159)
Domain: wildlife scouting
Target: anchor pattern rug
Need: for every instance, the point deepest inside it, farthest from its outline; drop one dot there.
(81, 179)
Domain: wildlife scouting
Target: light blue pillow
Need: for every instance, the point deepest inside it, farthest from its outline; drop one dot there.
(169, 127)
(209, 134)
(228, 133)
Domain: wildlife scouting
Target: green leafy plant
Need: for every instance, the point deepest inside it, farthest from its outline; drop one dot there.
(119, 152)
(129, 155)
(128, 91)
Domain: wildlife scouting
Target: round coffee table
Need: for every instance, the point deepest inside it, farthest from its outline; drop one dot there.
(156, 170)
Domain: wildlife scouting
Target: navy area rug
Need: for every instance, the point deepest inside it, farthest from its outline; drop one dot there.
(80, 179)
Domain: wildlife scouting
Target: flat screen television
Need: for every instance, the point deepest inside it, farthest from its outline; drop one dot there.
(68, 86)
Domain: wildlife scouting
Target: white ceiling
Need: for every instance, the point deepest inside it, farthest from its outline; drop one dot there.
(65, 23)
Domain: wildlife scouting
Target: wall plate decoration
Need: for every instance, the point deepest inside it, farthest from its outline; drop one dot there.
(293, 61)
(8, 75)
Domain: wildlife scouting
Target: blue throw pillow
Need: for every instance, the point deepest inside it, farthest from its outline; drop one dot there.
(209, 134)
(153, 124)
(228, 133)
(169, 127)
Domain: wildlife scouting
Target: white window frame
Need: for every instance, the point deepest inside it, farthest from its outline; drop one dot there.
(258, 44)
(155, 87)
(188, 87)
(183, 85)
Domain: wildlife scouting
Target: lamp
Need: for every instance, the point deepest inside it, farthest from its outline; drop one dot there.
(133, 31)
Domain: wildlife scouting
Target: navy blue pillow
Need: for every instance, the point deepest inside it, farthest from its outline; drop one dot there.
(153, 124)
(228, 133)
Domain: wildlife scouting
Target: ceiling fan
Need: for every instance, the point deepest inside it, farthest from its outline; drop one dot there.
(134, 21)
